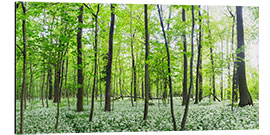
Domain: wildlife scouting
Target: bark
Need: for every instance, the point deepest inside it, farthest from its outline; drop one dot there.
(234, 79)
(24, 70)
(67, 88)
(56, 82)
(58, 105)
(120, 81)
(99, 84)
(184, 95)
(109, 65)
(146, 63)
(131, 87)
(213, 71)
(133, 58)
(245, 97)
(50, 82)
(212, 61)
(198, 73)
(79, 63)
(169, 68)
(47, 86)
(221, 82)
(42, 87)
(31, 85)
(95, 72)
(183, 123)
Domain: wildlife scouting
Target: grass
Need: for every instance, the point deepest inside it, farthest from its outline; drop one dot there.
(203, 116)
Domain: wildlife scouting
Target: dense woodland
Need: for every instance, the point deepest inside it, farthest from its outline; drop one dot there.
(81, 67)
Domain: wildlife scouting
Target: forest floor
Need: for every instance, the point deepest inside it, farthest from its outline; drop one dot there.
(207, 115)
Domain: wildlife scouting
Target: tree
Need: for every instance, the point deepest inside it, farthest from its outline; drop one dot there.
(184, 95)
(79, 62)
(169, 68)
(245, 97)
(234, 79)
(109, 65)
(41, 94)
(50, 82)
(24, 68)
(132, 54)
(183, 123)
(212, 61)
(199, 64)
(95, 72)
(146, 63)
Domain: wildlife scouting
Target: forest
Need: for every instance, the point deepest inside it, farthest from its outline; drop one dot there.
(94, 67)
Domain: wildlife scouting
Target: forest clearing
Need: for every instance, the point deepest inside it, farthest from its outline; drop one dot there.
(84, 67)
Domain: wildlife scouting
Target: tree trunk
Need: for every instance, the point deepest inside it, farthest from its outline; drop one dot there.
(142, 89)
(79, 63)
(67, 87)
(221, 80)
(183, 123)
(132, 54)
(120, 81)
(41, 94)
(169, 68)
(184, 94)
(109, 65)
(212, 61)
(95, 72)
(198, 73)
(245, 97)
(56, 82)
(131, 87)
(31, 85)
(47, 86)
(24, 69)
(50, 83)
(146, 63)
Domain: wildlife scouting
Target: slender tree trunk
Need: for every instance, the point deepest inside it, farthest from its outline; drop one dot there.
(95, 72)
(169, 68)
(184, 94)
(47, 86)
(245, 97)
(66, 85)
(100, 88)
(56, 83)
(24, 70)
(146, 62)
(234, 79)
(61, 74)
(120, 81)
(41, 94)
(58, 107)
(109, 65)
(50, 83)
(133, 58)
(221, 80)
(183, 123)
(131, 88)
(31, 85)
(198, 73)
(58, 110)
(212, 61)
(142, 89)
(25, 96)
(79, 63)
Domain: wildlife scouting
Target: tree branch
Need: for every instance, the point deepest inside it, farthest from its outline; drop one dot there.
(90, 8)
(20, 49)
(229, 10)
